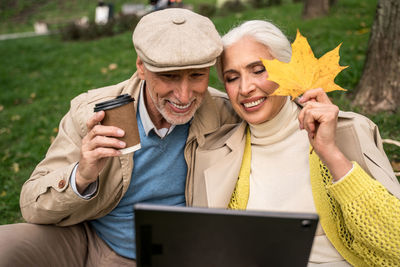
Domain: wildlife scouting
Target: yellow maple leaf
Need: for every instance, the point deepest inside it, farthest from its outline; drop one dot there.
(304, 71)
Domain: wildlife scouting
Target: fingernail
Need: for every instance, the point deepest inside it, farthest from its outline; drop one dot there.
(120, 132)
(300, 99)
(122, 144)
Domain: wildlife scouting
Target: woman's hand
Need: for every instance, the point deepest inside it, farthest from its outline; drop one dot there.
(319, 118)
(98, 144)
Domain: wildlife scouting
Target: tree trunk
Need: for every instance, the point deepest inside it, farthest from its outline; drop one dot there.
(332, 2)
(275, 2)
(379, 86)
(315, 8)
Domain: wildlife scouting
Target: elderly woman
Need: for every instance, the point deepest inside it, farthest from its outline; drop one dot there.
(309, 158)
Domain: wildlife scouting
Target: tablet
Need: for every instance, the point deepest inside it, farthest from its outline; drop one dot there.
(190, 237)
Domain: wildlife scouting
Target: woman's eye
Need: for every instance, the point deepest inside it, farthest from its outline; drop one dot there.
(259, 71)
(230, 79)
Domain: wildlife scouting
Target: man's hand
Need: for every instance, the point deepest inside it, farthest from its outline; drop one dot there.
(98, 144)
(319, 118)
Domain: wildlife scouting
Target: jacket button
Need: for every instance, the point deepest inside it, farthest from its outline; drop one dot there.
(61, 184)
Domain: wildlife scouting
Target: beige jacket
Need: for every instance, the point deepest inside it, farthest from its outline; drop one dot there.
(47, 197)
(218, 161)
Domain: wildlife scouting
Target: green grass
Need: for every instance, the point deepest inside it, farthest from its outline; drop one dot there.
(39, 76)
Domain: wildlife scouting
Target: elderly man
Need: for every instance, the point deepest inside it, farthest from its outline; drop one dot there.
(84, 183)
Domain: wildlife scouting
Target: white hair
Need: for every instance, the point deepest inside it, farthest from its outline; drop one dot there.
(262, 31)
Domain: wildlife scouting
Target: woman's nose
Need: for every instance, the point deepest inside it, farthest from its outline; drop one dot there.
(247, 86)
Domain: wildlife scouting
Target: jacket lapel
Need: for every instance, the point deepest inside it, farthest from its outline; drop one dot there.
(221, 177)
(133, 88)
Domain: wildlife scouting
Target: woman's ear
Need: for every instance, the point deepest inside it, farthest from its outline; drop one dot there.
(140, 68)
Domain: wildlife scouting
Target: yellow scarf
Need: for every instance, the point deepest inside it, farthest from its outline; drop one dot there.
(240, 195)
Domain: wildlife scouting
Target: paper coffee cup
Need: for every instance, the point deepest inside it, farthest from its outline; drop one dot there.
(120, 112)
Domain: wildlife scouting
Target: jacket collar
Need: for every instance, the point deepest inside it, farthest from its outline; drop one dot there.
(132, 87)
(205, 121)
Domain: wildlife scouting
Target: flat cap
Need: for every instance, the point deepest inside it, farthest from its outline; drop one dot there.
(176, 38)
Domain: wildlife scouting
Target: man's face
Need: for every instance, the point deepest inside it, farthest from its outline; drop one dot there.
(175, 95)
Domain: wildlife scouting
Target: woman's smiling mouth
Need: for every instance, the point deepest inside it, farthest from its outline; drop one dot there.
(253, 103)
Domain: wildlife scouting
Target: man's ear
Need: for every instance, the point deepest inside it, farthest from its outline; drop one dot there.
(140, 68)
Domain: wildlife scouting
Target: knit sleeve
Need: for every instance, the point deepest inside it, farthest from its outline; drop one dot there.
(372, 218)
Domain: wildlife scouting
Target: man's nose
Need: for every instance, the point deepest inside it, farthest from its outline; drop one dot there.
(183, 91)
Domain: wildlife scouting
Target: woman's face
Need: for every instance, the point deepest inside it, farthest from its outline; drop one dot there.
(245, 80)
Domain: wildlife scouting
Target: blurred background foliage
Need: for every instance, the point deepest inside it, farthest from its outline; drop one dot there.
(40, 75)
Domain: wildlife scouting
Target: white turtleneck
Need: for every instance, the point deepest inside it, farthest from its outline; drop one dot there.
(280, 175)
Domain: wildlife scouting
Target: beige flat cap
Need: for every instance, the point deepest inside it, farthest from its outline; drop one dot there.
(176, 38)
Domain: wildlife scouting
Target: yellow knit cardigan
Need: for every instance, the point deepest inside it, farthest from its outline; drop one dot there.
(359, 216)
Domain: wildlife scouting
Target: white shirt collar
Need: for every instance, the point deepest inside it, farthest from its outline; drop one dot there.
(147, 123)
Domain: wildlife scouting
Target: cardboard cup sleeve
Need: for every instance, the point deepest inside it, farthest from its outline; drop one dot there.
(122, 115)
